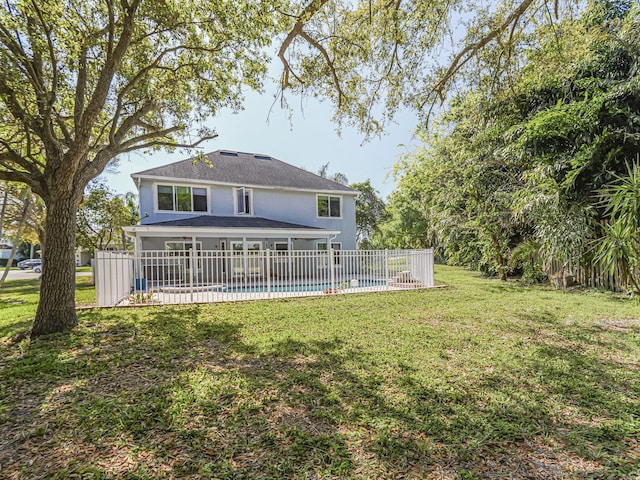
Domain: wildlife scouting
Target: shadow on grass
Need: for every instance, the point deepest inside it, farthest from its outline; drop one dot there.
(17, 327)
(178, 392)
(20, 288)
(19, 301)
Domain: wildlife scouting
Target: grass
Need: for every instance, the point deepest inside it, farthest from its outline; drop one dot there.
(483, 379)
(19, 300)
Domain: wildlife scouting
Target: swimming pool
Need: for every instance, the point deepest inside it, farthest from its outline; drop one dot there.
(320, 287)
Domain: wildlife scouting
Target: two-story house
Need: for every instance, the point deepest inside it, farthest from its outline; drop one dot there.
(240, 201)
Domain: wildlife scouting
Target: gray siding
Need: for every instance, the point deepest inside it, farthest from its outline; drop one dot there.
(287, 206)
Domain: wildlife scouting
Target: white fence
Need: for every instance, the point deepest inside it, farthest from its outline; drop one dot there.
(161, 276)
(113, 274)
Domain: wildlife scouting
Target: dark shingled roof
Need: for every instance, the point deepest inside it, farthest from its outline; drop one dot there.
(239, 168)
(230, 222)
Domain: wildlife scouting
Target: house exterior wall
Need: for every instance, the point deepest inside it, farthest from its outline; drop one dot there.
(214, 243)
(83, 257)
(276, 204)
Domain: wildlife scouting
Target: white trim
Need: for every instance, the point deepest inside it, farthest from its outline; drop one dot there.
(325, 242)
(286, 244)
(154, 194)
(248, 268)
(161, 179)
(164, 231)
(336, 259)
(245, 242)
(184, 243)
(329, 217)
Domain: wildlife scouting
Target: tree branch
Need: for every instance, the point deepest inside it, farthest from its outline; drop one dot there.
(330, 64)
(43, 100)
(101, 90)
(17, 111)
(131, 121)
(155, 64)
(161, 143)
(307, 13)
(124, 146)
(468, 52)
(52, 55)
(21, 177)
(81, 87)
(10, 156)
(21, 57)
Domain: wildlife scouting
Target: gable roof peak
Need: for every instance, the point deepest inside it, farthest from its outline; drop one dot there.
(243, 168)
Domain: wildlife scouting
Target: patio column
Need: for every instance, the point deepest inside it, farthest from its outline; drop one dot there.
(331, 272)
(289, 248)
(137, 256)
(194, 256)
(245, 256)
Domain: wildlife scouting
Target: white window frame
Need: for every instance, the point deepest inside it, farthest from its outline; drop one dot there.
(247, 191)
(324, 242)
(329, 196)
(184, 243)
(156, 207)
(184, 252)
(251, 264)
(281, 252)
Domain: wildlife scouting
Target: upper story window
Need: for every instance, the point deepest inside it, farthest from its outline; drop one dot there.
(175, 198)
(243, 201)
(329, 206)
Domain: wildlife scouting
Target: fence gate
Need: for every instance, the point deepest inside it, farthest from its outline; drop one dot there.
(113, 277)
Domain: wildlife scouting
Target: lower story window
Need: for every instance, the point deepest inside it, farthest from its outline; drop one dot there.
(322, 247)
(281, 248)
(182, 249)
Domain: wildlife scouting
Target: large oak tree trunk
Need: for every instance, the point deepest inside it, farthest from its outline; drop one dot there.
(56, 310)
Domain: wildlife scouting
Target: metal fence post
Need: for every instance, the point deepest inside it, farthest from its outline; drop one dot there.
(332, 267)
(191, 273)
(386, 267)
(268, 255)
(97, 281)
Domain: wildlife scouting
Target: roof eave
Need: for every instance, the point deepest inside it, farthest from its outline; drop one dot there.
(164, 231)
(136, 176)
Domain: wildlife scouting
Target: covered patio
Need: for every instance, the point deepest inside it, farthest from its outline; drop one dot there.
(164, 250)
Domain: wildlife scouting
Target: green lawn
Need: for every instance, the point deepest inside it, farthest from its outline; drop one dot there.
(482, 379)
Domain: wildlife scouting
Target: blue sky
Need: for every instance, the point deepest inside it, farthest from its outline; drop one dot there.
(309, 140)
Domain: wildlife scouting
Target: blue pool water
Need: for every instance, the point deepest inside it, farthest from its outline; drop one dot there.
(298, 288)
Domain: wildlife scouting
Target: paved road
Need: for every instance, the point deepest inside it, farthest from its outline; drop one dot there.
(29, 274)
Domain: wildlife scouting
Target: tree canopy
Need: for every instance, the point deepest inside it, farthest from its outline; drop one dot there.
(85, 81)
(370, 213)
(525, 165)
(101, 216)
(374, 57)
